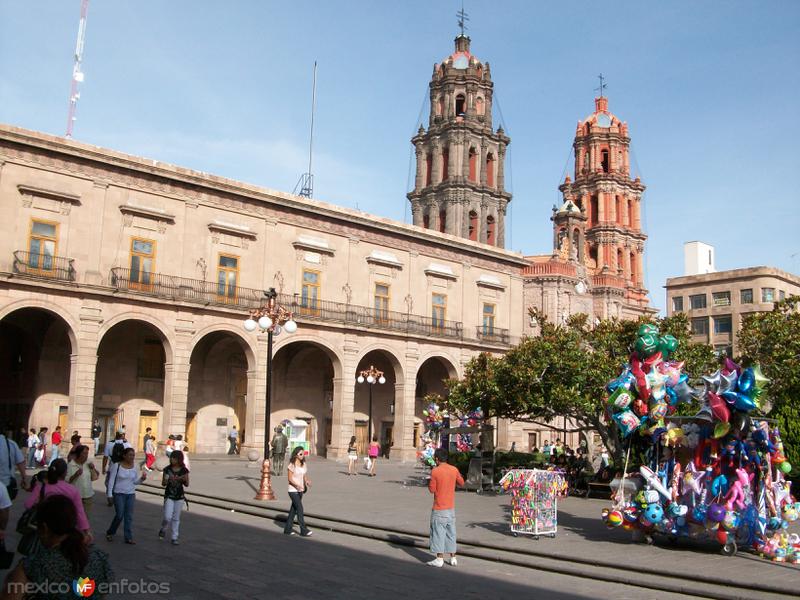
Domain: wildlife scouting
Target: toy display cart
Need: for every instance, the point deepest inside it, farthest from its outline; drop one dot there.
(296, 431)
(534, 501)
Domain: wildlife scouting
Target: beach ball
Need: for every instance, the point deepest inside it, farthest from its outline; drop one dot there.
(716, 512)
(615, 518)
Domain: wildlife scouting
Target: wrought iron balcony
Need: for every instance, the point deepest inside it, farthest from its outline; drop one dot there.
(305, 309)
(44, 265)
(493, 334)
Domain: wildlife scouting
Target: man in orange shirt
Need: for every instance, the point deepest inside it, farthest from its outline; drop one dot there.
(444, 478)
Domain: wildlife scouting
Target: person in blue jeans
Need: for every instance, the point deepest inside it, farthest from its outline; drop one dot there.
(122, 481)
(33, 442)
(297, 472)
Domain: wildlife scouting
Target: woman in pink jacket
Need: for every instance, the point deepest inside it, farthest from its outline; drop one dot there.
(54, 483)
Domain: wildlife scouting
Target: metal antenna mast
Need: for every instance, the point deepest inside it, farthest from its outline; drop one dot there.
(77, 74)
(306, 182)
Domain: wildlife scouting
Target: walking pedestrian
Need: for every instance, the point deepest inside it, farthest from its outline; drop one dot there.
(175, 479)
(33, 443)
(148, 433)
(122, 482)
(55, 441)
(62, 556)
(233, 439)
(96, 431)
(54, 483)
(82, 473)
(279, 444)
(374, 449)
(444, 479)
(297, 473)
(352, 456)
(149, 453)
(41, 457)
(10, 458)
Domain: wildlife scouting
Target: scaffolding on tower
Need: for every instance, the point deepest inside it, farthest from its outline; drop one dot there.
(77, 73)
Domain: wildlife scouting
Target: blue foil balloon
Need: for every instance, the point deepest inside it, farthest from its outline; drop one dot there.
(740, 401)
(699, 513)
(746, 381)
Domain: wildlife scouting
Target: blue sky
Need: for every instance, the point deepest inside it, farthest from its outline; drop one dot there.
(709, 89)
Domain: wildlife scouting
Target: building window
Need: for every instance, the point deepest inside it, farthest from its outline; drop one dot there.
(620, 204)
(460, 105)
(473, 226)
(677, 304)
(42, 245)
(382, 302)
(746, 296)
(723, 324)
(428, 169)
(594, 214)
(445, 164)
(604, 160)
(490, 230)
(473, 165)
(700, 326)
(426, 220)
(309, 299)
(697, 301)
(227, 276)
(768, 294)
(781, 295)
(442, 220)
(143, 256)
(620, 264)
(490, 170)
(488, 319)
(151, 363)
(721, 298)
(438, 310)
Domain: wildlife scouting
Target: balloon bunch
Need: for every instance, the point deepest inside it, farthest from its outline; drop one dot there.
(472, 418)
(426, 454)
(434, 417)
(650, 386)
(720, 473)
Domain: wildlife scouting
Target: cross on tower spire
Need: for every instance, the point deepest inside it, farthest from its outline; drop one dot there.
(463, 17)
(603, 85)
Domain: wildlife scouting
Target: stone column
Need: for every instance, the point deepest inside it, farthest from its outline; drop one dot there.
(250, 424)
(433, 216)
(436, 172)
(176, 399)
(482, 158)
(420, 177)
(639, 270)
(83, 369)
(501, 226)
(404, 406)
(482, 222)
(501, 170)
(452, 160)
(465, 161)
(416, 213)
(451, 223)
(344, 392)
(256, 399)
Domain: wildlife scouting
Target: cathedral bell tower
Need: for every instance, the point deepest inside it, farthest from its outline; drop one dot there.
(459, 186)
(608, 239)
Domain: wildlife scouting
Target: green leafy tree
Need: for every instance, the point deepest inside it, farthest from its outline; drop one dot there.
(772, 339)
(563, 372)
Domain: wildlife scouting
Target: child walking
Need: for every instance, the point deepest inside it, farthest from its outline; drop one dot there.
(175, 479)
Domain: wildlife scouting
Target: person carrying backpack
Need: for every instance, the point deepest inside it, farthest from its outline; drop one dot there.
(174, 480)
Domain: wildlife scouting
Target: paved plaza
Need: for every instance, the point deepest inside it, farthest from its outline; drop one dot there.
(226, 554)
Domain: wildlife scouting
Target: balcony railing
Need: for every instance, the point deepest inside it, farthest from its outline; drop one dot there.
(493, 334)
(305, 309)
(44, 265)
(551, 268)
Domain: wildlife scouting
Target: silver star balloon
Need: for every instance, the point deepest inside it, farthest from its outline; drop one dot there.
(705, 414)
(727, 382)
(711, 382)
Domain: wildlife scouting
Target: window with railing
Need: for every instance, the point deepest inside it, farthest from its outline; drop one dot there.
(746, 296)
(42, 245)
(697, 301)
(227, 276)
(382, 302)
(143, 256)
(488, 319)
(310, 296)
(700, 326)
(677, 304)
(768, 294)
(723, 324)
(721, 298)
(438, 310)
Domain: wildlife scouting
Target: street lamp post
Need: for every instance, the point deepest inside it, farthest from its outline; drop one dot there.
(371, 376)
(272, 318)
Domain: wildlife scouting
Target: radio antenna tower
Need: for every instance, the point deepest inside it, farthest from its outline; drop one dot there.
(306, 182)
(77, 74)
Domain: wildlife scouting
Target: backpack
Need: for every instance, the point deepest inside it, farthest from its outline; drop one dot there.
(117, 451)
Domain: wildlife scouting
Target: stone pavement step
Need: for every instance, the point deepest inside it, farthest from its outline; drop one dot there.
(398, 499)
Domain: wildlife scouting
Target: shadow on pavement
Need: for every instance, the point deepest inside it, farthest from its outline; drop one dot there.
(248, 480)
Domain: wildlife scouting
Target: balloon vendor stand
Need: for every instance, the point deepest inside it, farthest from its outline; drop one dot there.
(534, 501)
(719, 474)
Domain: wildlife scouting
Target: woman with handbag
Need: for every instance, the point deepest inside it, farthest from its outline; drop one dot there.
(297, 472)
(63, 556)
(122, 482)
(174, 480)
(81, 474)
(54, 484)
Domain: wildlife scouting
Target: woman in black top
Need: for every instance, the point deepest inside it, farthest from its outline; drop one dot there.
(175, 479)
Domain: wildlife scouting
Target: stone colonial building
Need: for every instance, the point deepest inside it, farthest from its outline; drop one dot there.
(125, 282)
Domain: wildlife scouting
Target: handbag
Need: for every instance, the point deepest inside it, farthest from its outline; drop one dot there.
(28, 527)
(12, 487)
